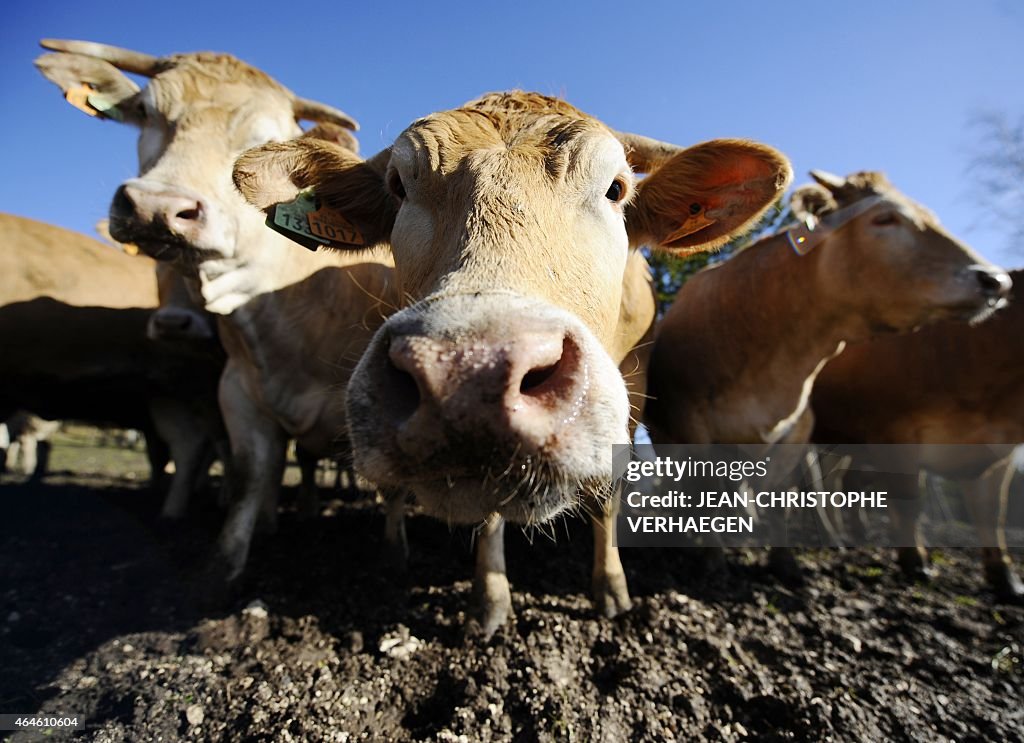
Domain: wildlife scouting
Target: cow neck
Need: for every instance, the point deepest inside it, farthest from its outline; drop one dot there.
(781, 324)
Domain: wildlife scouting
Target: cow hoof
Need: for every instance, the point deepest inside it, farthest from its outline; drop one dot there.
(488, 620)
(1006, 584)
(783, 565)
(494, 609)
(611, 595)
(914, 564)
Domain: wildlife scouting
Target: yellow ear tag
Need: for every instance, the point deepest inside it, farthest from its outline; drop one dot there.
(328, 224)
(79, 98)
(694, 223)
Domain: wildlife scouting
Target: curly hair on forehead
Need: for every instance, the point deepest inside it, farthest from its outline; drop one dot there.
(512, 111)
(220, 67)
(868, 180)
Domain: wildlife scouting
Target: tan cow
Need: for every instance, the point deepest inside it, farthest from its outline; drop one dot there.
(25, 443)
(496, 394)
(293, 322)
(73, 328)
(882, 263)
(950, 383)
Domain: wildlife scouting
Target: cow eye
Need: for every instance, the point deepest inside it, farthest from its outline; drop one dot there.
(395, 185)
(616, 191)
(885, 220)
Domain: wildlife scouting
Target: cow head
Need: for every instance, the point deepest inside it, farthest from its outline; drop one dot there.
(195, 115)
(875, 239)
(510, 220)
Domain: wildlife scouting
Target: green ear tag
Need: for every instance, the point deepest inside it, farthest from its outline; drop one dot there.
(291, 220)
(105, 106)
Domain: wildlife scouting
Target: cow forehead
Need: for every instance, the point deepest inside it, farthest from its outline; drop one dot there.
(560, 144)
(215, 81)
(873, 183)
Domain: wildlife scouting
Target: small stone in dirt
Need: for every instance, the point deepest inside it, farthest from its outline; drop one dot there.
(854, 643)
(255, 610)
(13, 617)
(355, 642)
(194, 714)
(399, 647)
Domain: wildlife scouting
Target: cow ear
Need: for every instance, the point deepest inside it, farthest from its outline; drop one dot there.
(90, 85)
(810, 202)
(339, 135)
(706, 195)
(349, 186)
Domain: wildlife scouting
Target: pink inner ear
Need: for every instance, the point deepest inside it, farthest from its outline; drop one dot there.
(736, 170)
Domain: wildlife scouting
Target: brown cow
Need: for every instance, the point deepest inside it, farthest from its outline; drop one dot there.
(74, 315)
(949, 383)
(496, 394)
(882, 264)
(293, 322)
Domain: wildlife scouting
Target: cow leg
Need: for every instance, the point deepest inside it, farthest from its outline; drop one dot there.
(258, 452)
(490, 581)
(396, 549)
(42, 463)
(905, 515)
(309, 496)
(229, 483)
(179, 429)
(5, 445)
(158, 454)
(986, 502)
(28, 447)
(608, 579)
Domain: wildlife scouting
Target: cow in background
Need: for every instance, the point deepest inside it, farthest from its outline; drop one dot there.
(738, 352)
(74, 317)
(293, 322)
(25, 444)
(949, 383)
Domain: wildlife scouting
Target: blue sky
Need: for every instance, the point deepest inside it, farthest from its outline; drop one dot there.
(841, 87)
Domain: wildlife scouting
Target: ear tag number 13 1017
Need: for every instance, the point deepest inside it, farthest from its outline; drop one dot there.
(312, 224)
(289, 218)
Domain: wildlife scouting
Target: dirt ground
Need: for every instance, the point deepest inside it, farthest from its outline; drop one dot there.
(103, 614)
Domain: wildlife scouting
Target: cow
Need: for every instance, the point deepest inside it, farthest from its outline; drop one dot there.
(293, 322)
(495, 393)
(74, 316)
(949, 383)
(25, 443)
(876, 263)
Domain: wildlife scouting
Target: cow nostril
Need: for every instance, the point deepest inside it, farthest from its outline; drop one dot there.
(554, 377)
(403, 391)
(122, 204)
(994, 283)
(535, 378)
(190, 214)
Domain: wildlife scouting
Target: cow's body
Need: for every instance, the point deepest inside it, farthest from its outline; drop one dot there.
(888, 268)
(495, 394)
(74, 316)
(950, 383)
(293, 322)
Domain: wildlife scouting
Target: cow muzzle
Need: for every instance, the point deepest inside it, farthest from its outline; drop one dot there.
(483, 403)
(179, 324)
(160, 219)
